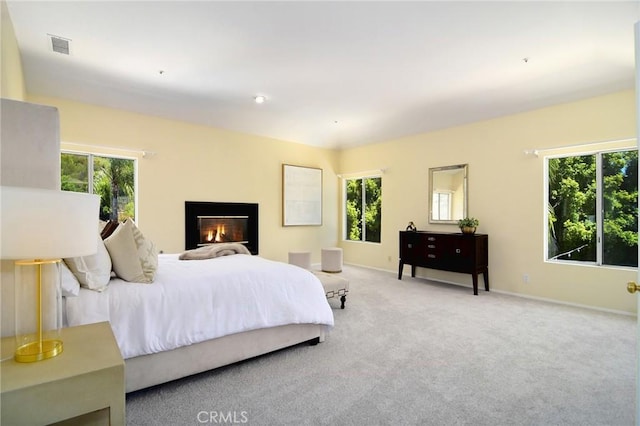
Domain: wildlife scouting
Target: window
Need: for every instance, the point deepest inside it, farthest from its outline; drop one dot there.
(592, 213)
(441, 205)
(112, 178)
(363, 209)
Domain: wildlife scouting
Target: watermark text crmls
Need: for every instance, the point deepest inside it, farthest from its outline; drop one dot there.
(223, 417)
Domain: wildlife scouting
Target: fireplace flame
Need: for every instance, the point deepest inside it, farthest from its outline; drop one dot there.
(220, 232)
(216, 235)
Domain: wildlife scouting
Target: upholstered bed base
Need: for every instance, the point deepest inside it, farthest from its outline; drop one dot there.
(149, 370)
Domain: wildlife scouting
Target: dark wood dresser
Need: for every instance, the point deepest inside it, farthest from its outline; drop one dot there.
(455, 252)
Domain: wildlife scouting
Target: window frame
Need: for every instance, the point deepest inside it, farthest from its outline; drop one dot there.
(345, 230)
(599, 219)
(91, 155)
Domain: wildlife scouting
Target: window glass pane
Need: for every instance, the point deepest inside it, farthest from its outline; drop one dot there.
(74, 172)
(572, 208)
(441, 206)
(620, 208)
(113, 181)
(365, 211)
(373, 209)
(354, 210)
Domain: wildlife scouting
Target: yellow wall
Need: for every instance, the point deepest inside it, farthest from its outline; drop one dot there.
(12, 86)
(198, 163)
(505, 194)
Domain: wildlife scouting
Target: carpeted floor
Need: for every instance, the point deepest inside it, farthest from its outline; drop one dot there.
(417, 352)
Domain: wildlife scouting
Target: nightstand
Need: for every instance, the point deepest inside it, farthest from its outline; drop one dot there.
(82, 385)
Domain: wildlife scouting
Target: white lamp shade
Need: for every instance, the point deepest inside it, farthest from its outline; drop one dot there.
(45, 224)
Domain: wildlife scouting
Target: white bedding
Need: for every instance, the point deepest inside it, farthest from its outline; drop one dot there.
(195, 300)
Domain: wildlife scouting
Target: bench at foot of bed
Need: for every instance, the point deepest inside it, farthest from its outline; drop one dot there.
(334, 286)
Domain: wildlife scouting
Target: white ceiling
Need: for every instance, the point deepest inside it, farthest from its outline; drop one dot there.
(335, 74)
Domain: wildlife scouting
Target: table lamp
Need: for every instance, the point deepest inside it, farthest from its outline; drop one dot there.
(38, 228)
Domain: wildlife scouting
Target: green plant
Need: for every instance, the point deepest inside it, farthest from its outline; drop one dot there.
(470, 222)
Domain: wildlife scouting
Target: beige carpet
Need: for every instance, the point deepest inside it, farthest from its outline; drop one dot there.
(418, 352)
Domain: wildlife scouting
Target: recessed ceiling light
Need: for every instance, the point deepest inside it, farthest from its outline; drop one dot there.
(260, 99)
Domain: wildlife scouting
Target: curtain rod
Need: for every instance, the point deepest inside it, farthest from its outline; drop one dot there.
(537, 151)
(364, 172)
(145, 153)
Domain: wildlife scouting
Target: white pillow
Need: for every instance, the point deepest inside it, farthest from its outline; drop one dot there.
(94, 271)
(70, 284)
(134, 257)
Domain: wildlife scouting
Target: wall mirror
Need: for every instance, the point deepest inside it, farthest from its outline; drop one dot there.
(448, 194)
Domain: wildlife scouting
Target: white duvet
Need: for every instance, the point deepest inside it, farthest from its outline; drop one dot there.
(195, 300)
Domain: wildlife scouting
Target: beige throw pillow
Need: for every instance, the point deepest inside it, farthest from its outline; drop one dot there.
(93, 271)
(134, 257)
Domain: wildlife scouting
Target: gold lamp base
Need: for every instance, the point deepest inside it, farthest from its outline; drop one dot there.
(37, 288)
(36, 351)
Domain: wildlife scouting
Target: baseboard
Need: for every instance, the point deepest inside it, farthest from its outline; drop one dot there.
(393, 271)
(524, 296)
(562, 302)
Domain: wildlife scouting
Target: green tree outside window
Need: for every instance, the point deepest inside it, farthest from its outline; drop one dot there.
(363, 209)
(113, 179)
(578, 229)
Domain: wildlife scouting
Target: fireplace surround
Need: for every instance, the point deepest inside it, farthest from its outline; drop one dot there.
(219, 222)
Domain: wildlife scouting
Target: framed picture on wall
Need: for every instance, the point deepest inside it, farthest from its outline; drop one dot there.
(301, 195)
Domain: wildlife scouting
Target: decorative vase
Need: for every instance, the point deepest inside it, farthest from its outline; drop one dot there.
(468, 229)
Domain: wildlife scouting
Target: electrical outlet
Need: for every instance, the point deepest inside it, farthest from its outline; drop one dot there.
(525, 278)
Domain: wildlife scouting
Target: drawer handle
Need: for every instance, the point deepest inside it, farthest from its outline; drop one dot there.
(431, 238)
(458, 251)
(410, 245)
(431, 246)
(431, 256)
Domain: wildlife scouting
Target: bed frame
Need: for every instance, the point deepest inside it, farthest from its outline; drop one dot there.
(149, 370)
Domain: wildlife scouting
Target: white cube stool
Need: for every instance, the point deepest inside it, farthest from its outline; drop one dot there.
(331, 259)
(300, 258)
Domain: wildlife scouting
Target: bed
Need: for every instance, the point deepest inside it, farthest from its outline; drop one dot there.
(197, 315)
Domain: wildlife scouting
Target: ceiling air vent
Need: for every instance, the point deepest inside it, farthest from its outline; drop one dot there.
(59, 44)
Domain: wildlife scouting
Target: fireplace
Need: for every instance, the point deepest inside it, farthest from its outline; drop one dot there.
(209, 223)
